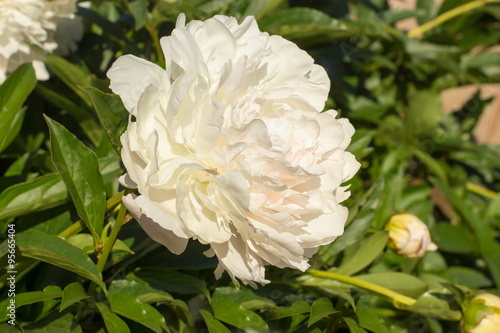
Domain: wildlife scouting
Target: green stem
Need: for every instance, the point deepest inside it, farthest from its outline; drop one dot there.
(72, 229)
(79, 225)
(112, 238)
(448, 16)
(478, 189)
(108, 246)
(365, 285)
(156, 41)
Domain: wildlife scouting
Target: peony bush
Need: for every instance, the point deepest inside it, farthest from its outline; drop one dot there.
(248, 166)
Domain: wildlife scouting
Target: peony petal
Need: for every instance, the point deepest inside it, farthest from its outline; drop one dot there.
(324, 229)
(125, 181)
(167, 220)
(235, 259)
(159, 234)
(209, 38)
(131, 75)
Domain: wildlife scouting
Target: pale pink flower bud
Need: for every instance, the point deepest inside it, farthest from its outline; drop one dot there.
(482, 314)
(409, 236)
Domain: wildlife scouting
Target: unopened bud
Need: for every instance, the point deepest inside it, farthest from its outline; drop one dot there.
(409, 236)
(482, 314)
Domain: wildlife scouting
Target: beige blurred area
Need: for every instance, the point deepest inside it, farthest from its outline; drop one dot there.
(409, 23)
(487, 129)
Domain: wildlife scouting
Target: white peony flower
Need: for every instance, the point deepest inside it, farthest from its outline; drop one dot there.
(27, 23)
(409, 236)
(227, 145)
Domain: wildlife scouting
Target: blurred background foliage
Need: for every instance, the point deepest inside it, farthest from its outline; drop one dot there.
(421, 150)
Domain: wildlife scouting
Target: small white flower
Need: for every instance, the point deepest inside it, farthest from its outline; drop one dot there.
(409, 236)
(27, 23)
(482, 314)
(227, 145)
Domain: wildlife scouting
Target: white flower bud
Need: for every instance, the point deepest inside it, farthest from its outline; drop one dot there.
(409, 236)
(482, 314)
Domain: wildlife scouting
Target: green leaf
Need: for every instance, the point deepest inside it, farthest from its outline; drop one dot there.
(244, 296)
(38, 194)
(114, 324)
(432, 165)
(236, 315)
(110, 168)
(13, 93)
(111, 113)
(437, 304)
(454, 239)
(18, 167)
(131, 307)
(54, 322)
(354, 232)
(371, 318)
(366, 254)
(257, 8)
(481, 229)
(353, 325)
(466, 276)
(321, 308)
(298, 307)
(73, 76)
(8, 328)
(361, 140)
(423, 114)
(372, 321)
(433, 261)
(394, 185)
(136, 288)
(460, 293)
(86, 243)
(329, 286)
(148, 294)
(480, 60)
(399, 282)
(213, 325)
(14, 128)
(427, 10)
(139, 9)
(79, 169)
(53, 250)
(31, 297)
(84, 118)
(173, 281)
(424, 50)
(304, 24)
(493, 209)
(73, 293)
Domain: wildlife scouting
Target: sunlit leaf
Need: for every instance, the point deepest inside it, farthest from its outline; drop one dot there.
(111, 112)
(13, 93)
(322, 307)
(38, 194)
(131, 307)
(53, 250)
(79, 169)
(72, 293)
